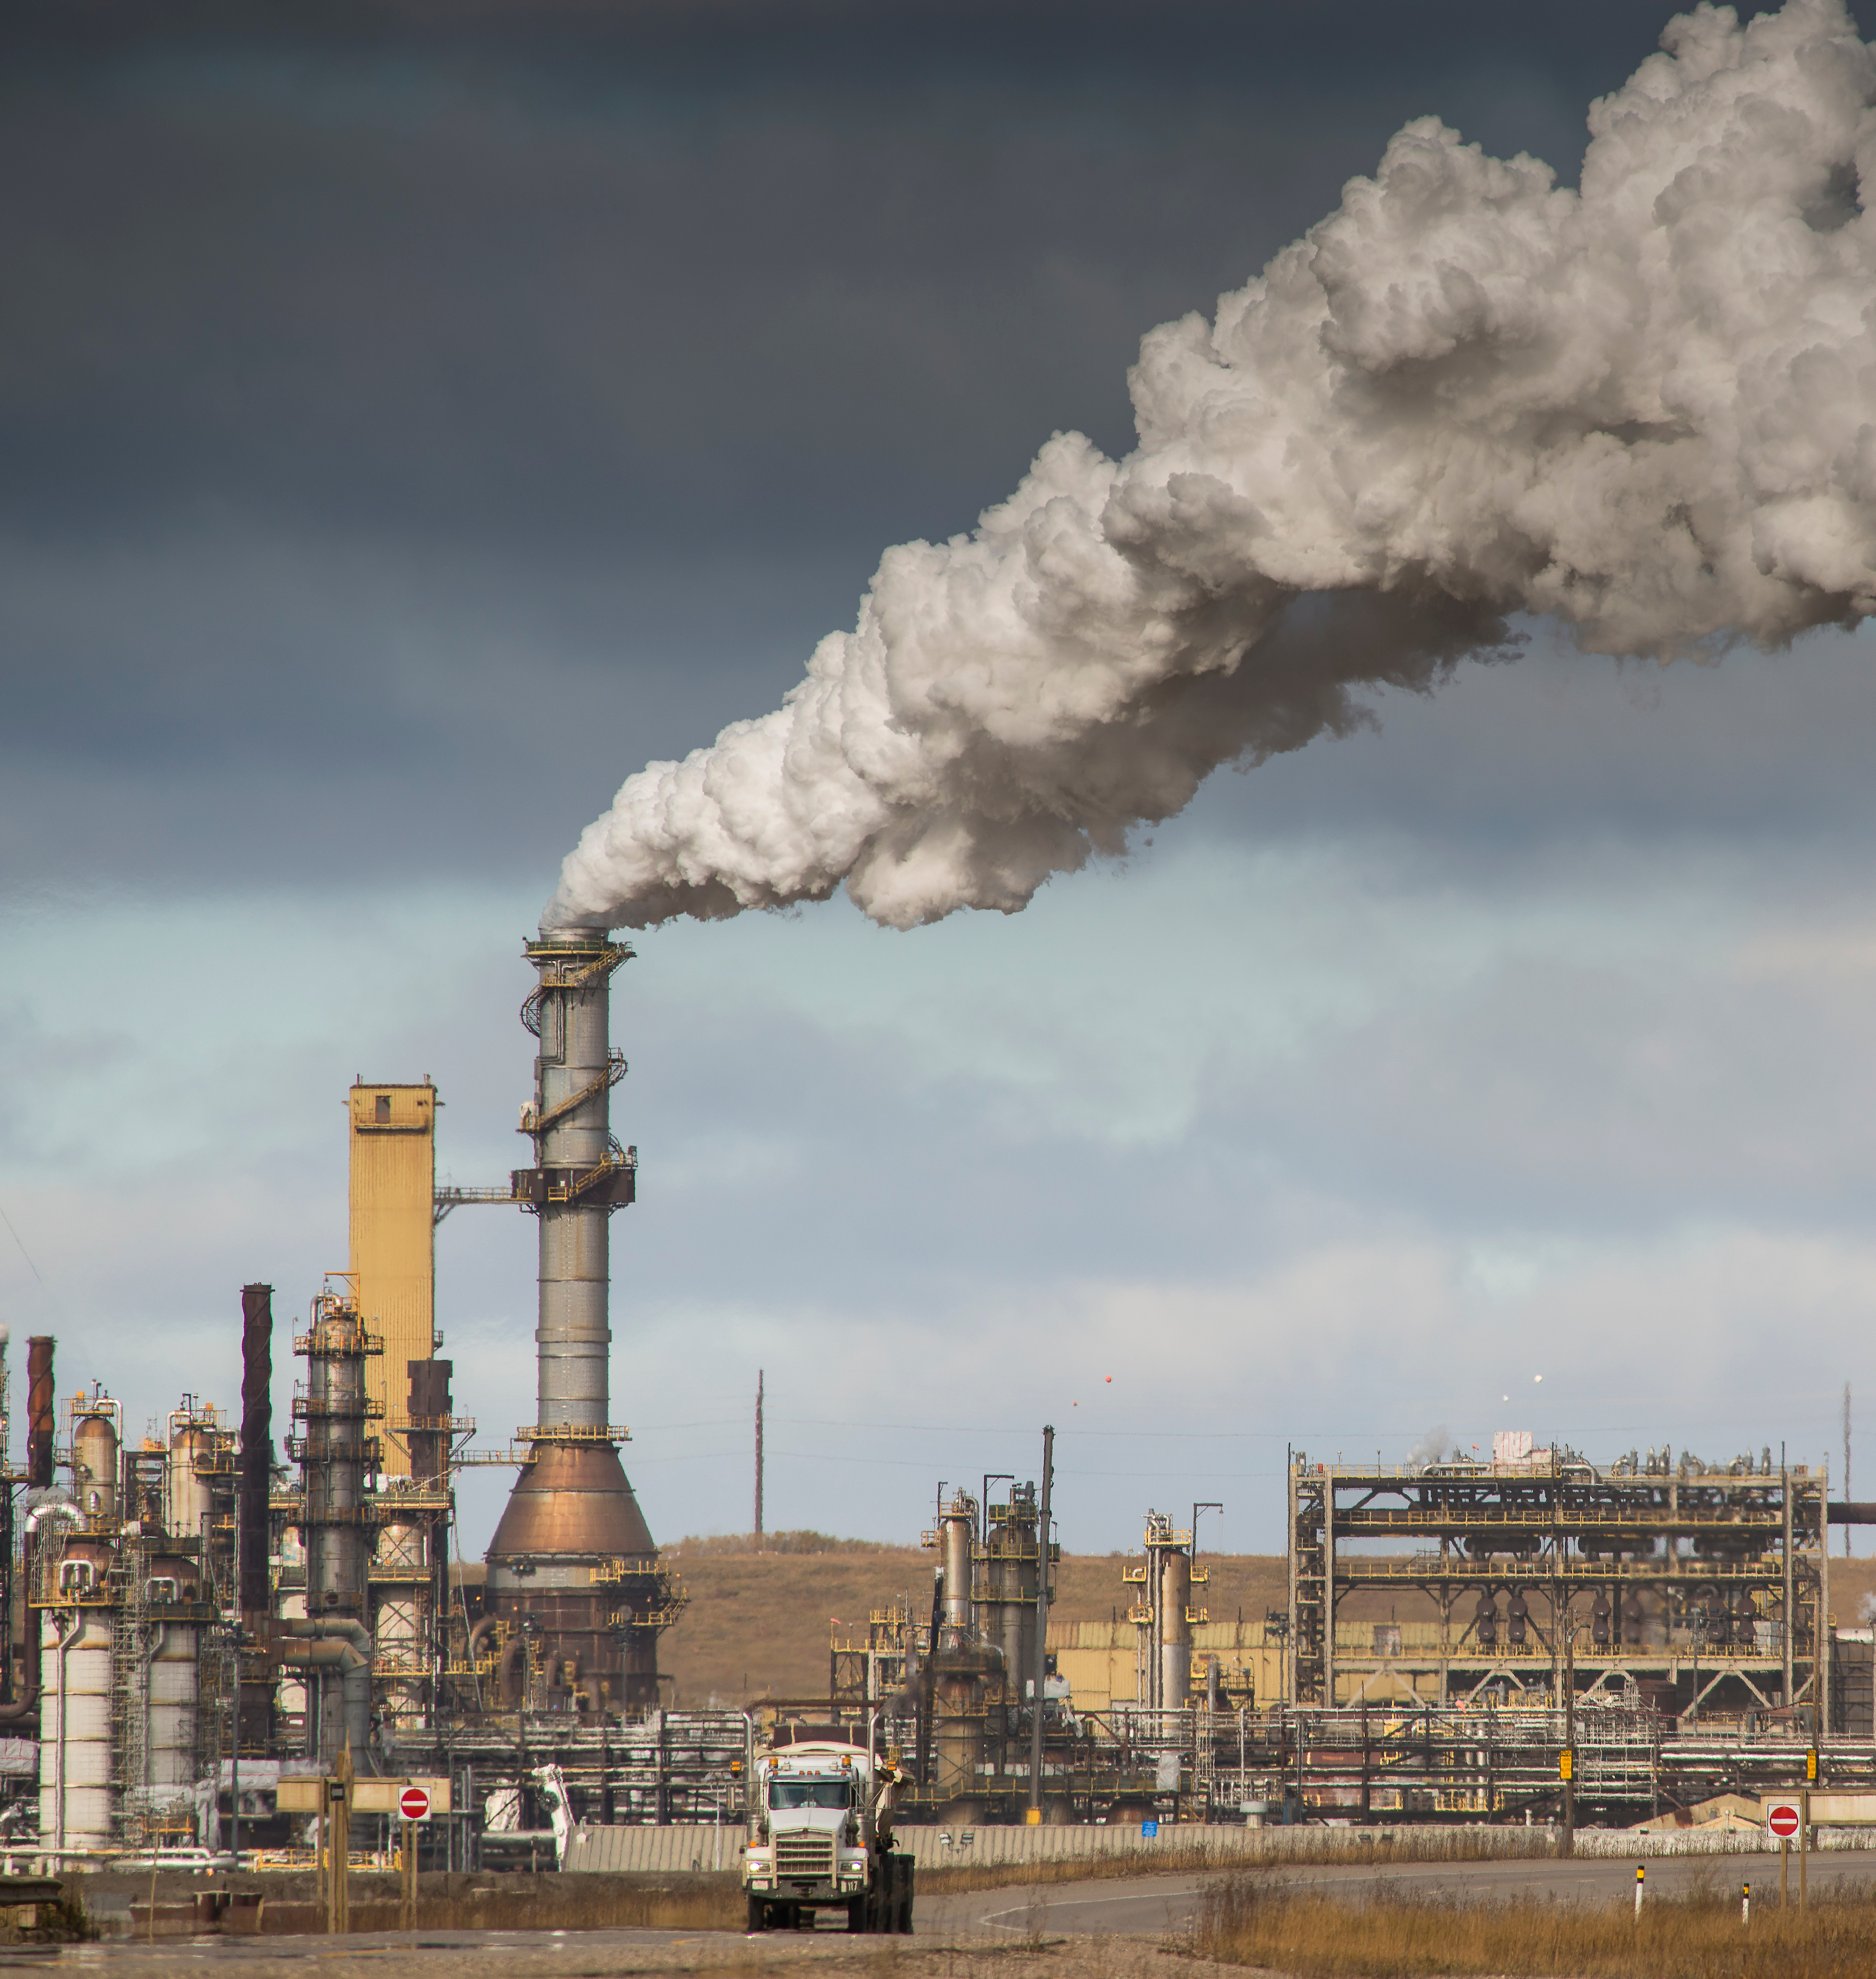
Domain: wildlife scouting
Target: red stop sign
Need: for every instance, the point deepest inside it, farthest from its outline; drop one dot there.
(414, 1804)
(1782, 1818)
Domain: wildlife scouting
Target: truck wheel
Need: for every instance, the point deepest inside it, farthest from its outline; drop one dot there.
(857, 1913)
(758, 1914)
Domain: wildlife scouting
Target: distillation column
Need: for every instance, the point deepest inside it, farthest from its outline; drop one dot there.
(336, 1451)
(573, 1571)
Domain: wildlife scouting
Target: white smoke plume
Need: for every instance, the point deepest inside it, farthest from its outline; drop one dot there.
(1431, 1447)
(1646, 410)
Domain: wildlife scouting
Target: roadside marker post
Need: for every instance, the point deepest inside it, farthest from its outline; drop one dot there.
(1745, 1903)
(1641, 1877)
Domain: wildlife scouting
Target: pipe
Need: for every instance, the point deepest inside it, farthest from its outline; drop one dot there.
(513, 1666)
(476, 1634)
(336, 1642)
(65, 1641)
(256, 1450)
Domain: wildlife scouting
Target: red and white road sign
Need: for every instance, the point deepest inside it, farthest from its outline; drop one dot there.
(1783, 1817)
(414, 1804)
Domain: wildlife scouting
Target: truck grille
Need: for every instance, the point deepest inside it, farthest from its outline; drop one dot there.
(798, 1856)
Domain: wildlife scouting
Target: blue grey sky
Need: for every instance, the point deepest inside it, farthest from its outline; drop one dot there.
(411, 420)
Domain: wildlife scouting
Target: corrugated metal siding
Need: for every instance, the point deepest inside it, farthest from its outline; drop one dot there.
(677, 1850)
(622, 1850)
(670, 1851)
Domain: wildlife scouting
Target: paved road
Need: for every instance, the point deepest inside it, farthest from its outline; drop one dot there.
(1145, 1907)
(434, 1952)
(1159, 1904)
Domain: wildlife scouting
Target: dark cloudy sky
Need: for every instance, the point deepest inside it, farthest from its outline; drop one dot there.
(413, 420)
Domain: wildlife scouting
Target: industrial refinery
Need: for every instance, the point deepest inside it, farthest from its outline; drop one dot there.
(215, 1622)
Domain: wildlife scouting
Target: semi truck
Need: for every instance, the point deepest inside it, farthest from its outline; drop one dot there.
(821, 1838)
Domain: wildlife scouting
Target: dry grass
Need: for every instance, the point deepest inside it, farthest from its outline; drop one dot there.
(1248, 1920)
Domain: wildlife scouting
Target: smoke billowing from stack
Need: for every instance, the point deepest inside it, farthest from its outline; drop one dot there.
(1640, 408)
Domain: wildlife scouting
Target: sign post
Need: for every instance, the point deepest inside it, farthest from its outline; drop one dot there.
(413, 1806)
(1803, 1850)
(1784, 1818)
(338, 1795)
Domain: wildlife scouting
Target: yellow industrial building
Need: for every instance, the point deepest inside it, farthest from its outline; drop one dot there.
(393, 1265)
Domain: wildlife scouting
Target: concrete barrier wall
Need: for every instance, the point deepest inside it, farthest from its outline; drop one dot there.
(674, 1851)
(1711, 1842)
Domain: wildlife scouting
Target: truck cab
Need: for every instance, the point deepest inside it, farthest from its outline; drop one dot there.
(821, 1838)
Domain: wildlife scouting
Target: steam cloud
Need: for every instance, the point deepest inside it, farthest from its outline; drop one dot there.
(1431, 1447)
(1647, 409)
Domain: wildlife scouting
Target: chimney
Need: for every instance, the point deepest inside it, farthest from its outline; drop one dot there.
(572, 1554)
(41, 1405)
(429, 1417)
(257, 1470)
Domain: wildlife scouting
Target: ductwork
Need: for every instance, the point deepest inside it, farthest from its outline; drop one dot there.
(341, 1643)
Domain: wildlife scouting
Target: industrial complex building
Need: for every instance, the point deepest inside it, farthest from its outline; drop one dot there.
(205, 1617)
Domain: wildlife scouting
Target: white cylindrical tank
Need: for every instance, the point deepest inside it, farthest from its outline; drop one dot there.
(175, 1681)
(75, 1793)
(957, 1526)
(187, 1506)
(396, 1636)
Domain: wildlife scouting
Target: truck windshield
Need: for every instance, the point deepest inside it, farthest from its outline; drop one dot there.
(809, 1793)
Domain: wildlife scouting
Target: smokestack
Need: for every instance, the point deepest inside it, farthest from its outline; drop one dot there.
(582, 1174)
(41, 1405)
(572, 1559)
(429, 1417)
(257, 1470)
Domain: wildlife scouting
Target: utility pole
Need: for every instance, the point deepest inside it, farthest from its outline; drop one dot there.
(1847, 1492)
(1042, 1625)
(1566, 1842)
(759, 1377)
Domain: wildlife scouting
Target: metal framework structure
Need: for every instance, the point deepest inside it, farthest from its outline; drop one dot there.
(1699, 1578)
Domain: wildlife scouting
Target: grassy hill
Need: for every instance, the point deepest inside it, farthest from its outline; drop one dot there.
(758, 1622)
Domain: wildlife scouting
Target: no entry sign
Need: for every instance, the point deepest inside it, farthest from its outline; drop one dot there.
(414, 1804)
(1783, 1818)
